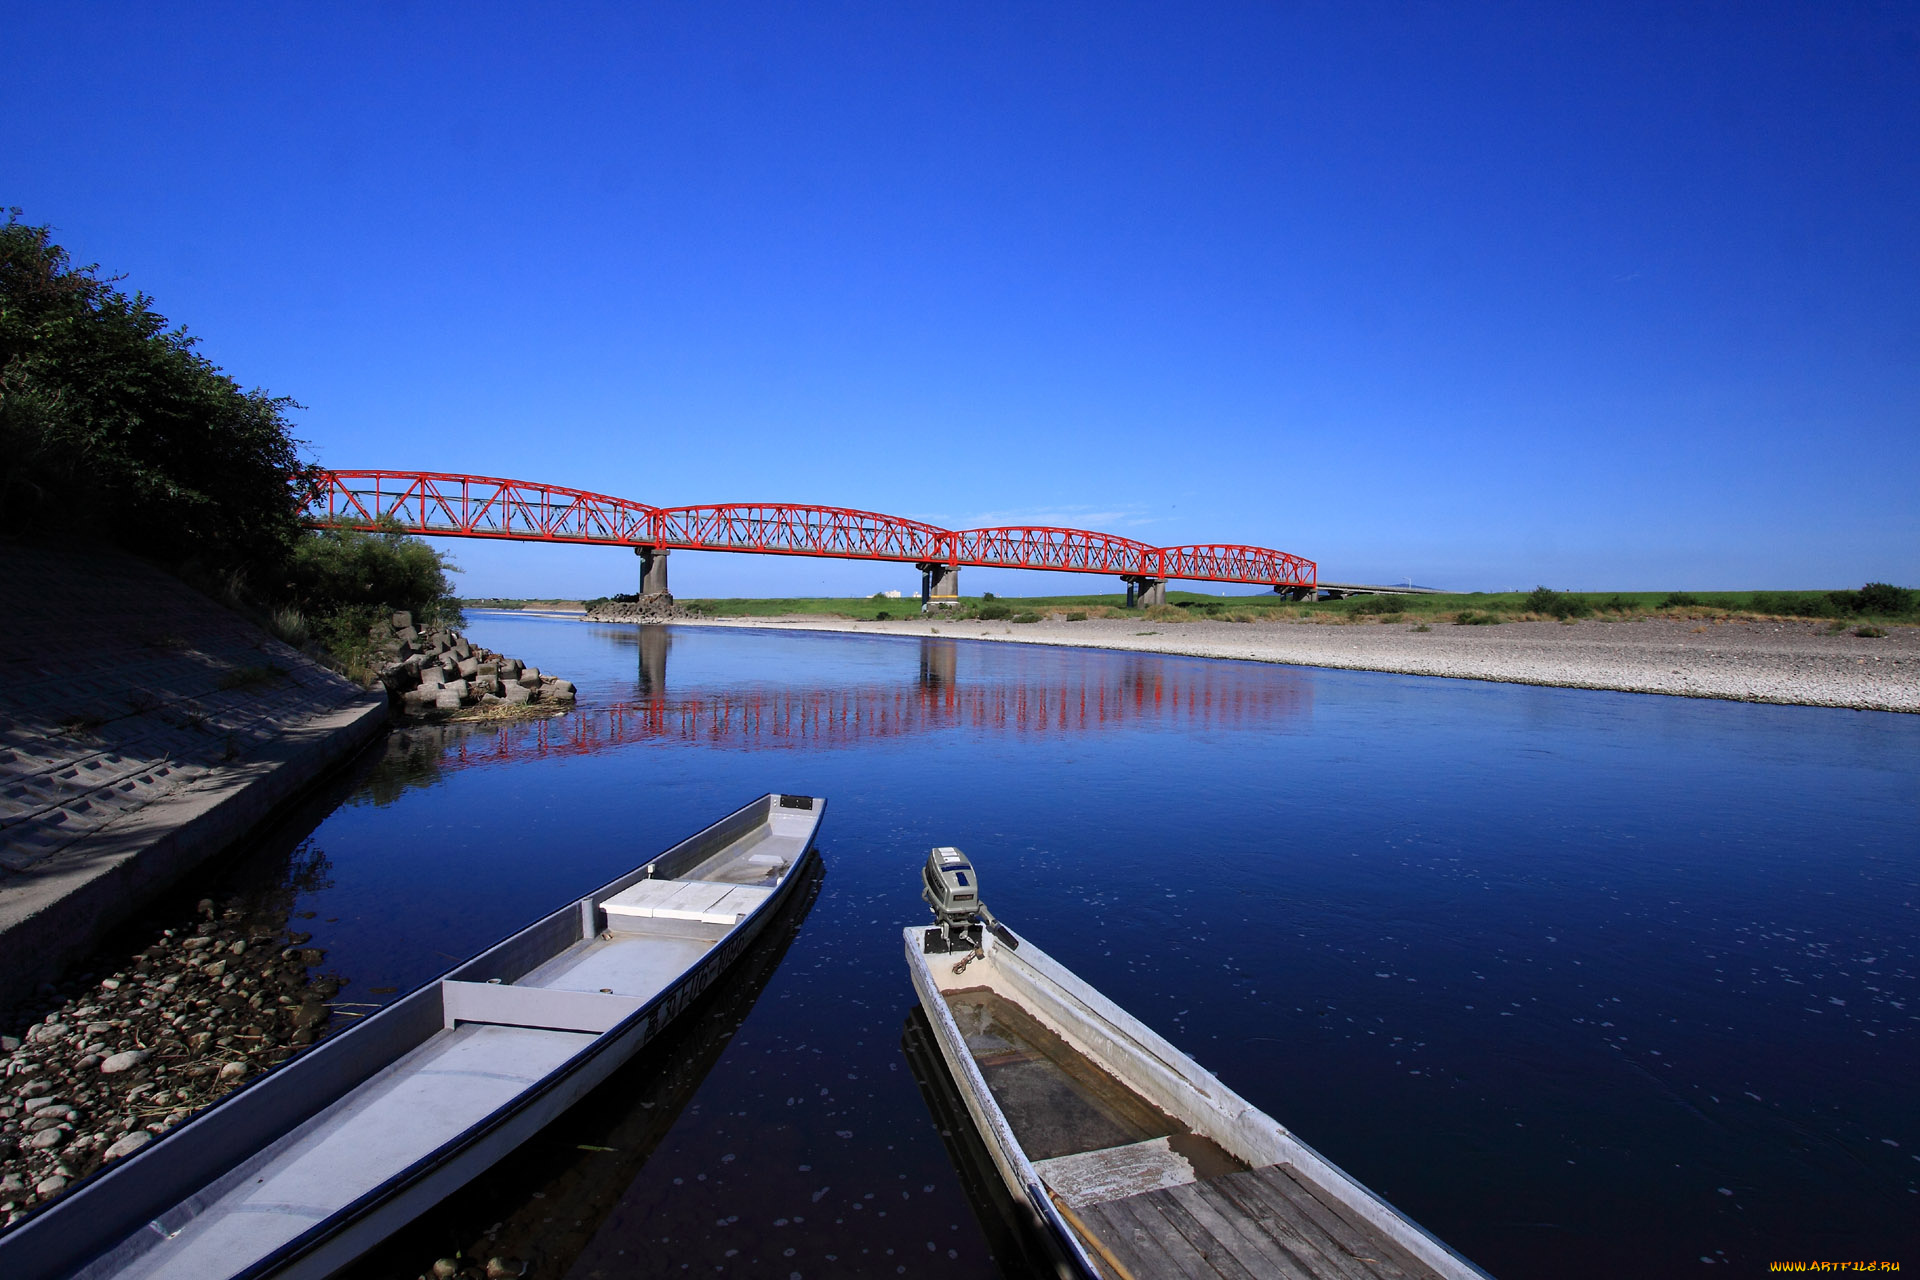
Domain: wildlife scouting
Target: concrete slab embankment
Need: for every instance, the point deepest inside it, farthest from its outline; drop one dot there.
(143, 729)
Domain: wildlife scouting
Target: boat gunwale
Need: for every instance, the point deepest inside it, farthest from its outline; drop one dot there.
(37, 1237)
(1138, 1045)
(1008, 1154)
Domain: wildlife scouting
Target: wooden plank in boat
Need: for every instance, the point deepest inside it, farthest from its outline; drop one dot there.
(1285, 1208)
(1363, 1240)
(1133, 1234)
(1246, 1244)
(1266, 1222)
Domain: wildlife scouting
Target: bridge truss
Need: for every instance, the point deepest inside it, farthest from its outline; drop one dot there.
(462, 506)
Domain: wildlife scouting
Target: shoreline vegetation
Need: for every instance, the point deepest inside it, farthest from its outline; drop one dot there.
(1873, 607)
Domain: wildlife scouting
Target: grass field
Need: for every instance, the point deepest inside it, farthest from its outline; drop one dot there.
(1876, 603)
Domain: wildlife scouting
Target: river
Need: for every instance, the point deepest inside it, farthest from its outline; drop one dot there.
(1589, 984)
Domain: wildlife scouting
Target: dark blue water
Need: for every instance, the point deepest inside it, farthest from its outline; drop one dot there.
(1589, 984)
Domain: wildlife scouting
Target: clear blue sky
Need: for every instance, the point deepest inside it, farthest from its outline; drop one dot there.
(1598, 296)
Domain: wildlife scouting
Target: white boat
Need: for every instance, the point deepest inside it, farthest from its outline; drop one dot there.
(1131, 1158)
(304, 1170)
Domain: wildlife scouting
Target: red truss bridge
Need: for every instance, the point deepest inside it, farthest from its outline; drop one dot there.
(462, 506)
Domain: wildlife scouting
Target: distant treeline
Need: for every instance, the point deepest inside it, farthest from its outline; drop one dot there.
(113, 427)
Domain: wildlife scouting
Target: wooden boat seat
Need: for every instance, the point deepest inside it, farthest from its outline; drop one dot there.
(1113, 1173)
(703, 901)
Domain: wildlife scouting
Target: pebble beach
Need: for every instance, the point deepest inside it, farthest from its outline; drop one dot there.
(1777, 661)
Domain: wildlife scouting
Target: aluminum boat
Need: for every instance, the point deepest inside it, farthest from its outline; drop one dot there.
(305, 1169)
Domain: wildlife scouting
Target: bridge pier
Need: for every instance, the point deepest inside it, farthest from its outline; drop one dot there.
(939, 585)
(1144, 592)
(653, 575)
(1297, 593)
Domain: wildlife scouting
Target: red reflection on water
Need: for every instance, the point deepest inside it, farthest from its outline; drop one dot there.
(760, 717)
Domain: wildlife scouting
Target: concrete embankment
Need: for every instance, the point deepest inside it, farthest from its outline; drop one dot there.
(143, 729)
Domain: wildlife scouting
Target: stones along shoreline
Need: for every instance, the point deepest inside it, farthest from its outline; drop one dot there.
(439, 673)
(99, 1065)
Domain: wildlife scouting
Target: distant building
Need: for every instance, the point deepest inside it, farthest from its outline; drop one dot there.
(889, 595)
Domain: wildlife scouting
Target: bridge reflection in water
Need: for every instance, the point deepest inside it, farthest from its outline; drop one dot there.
(1095, 692)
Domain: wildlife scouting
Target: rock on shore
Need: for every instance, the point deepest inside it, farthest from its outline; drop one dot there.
(105, 1064)
(658, 607)
(438, 673)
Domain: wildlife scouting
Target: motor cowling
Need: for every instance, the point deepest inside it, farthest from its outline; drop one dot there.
(951, 887)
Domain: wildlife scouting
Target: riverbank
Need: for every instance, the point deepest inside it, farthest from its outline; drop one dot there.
(1787, 662)
(143, 730)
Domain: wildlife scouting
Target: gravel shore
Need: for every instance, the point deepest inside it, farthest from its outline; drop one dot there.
(1795, 663)
(99, 1066)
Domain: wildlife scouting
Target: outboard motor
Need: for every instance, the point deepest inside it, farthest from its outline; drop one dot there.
(952, 889)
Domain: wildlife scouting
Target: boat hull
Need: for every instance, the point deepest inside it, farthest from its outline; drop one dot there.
(1069, 1190)
(579, 992)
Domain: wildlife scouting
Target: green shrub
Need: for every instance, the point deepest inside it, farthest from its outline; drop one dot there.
(1680, 600)
(1870, 632)
(1471, 618)
(883, 616)
(987, 595)
(1078, 615)
(1557, 604)
(1380, 604)
(993, 612)
(111, 421)
(1026, 617)
(1884, 598)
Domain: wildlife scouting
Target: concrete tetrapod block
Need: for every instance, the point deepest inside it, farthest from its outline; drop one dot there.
(530, 678)
(518, 694)
(446, 700)
(458, 688)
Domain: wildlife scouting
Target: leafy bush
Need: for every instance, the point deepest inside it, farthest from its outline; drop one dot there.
(1025, 617)
(986, 595)
(993, 612)
(1470, 618)
(1680, 600)
(1881, 598)
(1557, 604)
(1077, 615)
(1380, 604)
(109, 420)
(347, 583)
(883, 616)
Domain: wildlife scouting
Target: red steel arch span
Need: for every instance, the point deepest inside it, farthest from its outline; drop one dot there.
(461, 506)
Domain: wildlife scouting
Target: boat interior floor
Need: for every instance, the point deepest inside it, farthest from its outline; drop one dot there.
(1149, 1195)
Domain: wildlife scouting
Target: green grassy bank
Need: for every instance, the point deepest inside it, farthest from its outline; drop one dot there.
(1877, 604)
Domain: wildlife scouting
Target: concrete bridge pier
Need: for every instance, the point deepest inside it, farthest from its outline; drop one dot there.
(939, 585)
(1144, 592)
(653, 574)
(1296, 593)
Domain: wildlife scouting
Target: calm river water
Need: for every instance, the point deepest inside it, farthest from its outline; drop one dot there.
(1589, 984)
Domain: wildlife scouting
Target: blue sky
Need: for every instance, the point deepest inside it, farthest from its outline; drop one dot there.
(1602, 297)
